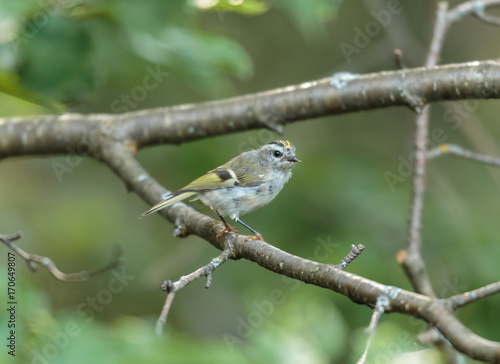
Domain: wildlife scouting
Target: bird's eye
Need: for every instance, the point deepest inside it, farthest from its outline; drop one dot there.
(277, 153)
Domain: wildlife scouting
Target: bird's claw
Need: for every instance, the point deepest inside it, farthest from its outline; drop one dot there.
(225, 230)
(256, 237)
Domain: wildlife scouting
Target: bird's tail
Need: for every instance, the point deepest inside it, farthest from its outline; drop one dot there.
(169, 200)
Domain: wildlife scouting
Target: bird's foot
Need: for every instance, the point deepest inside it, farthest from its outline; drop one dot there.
(256, 237)
(227, 228)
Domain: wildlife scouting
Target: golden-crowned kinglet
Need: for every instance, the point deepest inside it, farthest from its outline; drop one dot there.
(242, 185)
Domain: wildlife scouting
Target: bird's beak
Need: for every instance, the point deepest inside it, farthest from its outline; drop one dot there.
(290, 159)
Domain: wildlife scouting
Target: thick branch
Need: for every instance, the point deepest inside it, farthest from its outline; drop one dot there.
(75, 133)
(459, 336)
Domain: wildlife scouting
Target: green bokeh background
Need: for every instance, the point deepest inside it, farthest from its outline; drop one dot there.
(84, 55)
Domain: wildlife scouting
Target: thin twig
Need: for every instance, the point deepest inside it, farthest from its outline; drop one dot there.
(488, 19)
(438, 35)
(33, 259)
(474, 7)
(461, 152)
(378, 311)
(400, 63)
(209, 280)
(356, 250)
(173, 287)
(466, 298)
(162, 320)
(8, 239)
(412, 259)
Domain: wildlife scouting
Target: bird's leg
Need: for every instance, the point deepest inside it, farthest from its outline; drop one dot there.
(226, 229)
(257, 236)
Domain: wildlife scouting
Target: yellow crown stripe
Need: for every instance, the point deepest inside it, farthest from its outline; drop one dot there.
(285, 143)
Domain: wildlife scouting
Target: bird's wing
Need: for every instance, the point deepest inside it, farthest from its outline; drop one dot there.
(217, 178)
(242, 174)
(248, 174)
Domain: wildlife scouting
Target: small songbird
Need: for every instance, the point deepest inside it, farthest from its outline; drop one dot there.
(242, 185)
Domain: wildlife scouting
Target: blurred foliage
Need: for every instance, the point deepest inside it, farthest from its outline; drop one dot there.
(248, 7)
(94, 56)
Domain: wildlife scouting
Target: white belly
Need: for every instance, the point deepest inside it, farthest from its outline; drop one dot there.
(238, 201)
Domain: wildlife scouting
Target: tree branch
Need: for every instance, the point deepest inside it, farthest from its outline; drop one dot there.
(172, 287)
(476, 8)
(466, 298)
(378, 311)
(81, 134)
(356, 250)
(464, 153)
(33, 259)
(411, 260)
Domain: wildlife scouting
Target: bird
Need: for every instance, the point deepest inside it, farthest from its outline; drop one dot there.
(244, 184)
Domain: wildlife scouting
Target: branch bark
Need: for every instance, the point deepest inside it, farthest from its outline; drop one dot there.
(81, 134)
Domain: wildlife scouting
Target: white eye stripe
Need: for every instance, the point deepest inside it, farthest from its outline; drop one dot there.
(233, 175)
